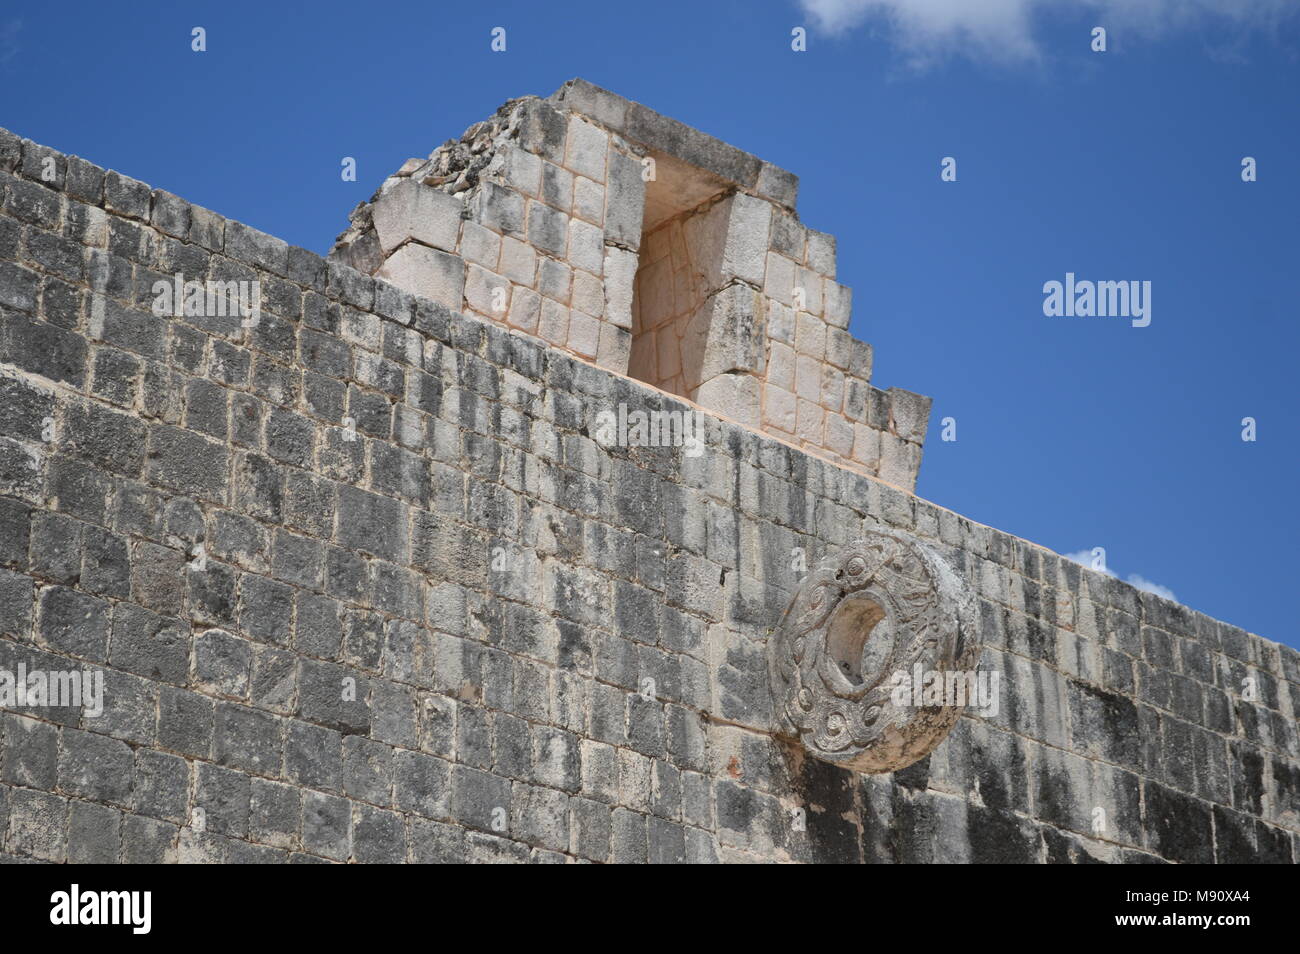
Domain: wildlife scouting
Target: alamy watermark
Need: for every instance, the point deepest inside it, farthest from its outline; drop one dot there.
(208, 299)
(56, 688)
(933, 687)
(624, 428)
(1087, 299)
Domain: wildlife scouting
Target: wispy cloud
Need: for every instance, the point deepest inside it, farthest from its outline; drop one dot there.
(1004, 30)
(1136, 580)
(9, 40)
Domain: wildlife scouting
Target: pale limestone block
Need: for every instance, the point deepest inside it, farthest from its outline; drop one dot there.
(589, 200)
(724, 335)
(615, 348)
(832, 388)
(808, 378)
(522, 170)
(428, 273)
(808, 426)
(811, 336)
(779, 281)
(780, 365)
(866, 446)
(624, 201)
(518, 261)
(899, 461)
(554, 280)
(479, 245)
(547, 228)
(584, 334)
(411, 210)
(557, 186)
(585, 152)
(620, 278)
(586, 246)
(780, 322)
(839, 435)
(525, 308)
(487, 292)
(909, 414)
(811, 283)
(733, 395)
(821, 253)
(747, 238)
(839, 348)
(838, 304)
(554, 323)
(588, 294)
(729, 240)
(779, 407)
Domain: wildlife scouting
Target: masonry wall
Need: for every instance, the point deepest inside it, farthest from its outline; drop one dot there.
(364, 589)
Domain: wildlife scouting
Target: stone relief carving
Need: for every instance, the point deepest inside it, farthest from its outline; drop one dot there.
(882, 606)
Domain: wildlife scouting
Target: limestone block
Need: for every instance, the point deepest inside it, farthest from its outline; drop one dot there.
(821, 253)
(780, 365)
(725, 334)
(620, 277)
(584, 334)
(866, 446)
(839, 435)
(838, 303)
(411, 210)
(810, 338)
(779, 408)
(486, 292)
(899, 461)
(554, 324)
(778, 185)
(428, 273)
(554, 280)
(479, 245)
(808, 378)
(589, 200)
(499, 208)
(525, 309)
(585, 152)
(588, 294)
(779, 280)
(547, 228)
(832, 388)
(518, 261)
(808, 425)
(624, 200)
(522, 170)
(614, 350)
(729, 240)
(586, 246)
(557, 186)
(733, 395)
(909, 414)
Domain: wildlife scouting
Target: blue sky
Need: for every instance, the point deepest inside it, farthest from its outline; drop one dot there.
(1125, 165)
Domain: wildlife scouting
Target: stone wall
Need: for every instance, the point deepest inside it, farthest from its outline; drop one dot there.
(363, 587)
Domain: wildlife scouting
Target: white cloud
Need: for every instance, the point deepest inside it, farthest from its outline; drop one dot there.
(1136, 580)
(1142, 583)
(9, 40)
(1004, 29)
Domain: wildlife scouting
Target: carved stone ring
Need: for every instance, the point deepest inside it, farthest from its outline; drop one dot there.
(885, 611)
